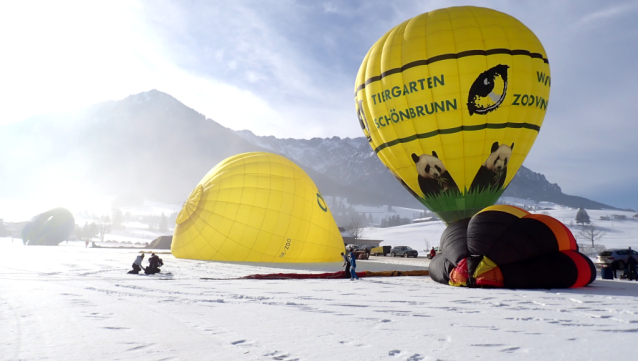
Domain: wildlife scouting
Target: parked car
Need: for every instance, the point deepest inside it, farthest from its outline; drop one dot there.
(403, 251)
(620, 255)
(438, 252)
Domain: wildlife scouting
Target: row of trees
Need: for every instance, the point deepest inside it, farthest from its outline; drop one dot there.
(394, 221)
(99, 228)
(158, 222)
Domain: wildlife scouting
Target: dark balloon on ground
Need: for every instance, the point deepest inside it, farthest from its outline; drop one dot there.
(505, 246)
(48, 228)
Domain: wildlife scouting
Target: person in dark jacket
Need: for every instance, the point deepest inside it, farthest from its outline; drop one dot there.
(346, 264)
(631, 268)
(154, 263)
(614, 268)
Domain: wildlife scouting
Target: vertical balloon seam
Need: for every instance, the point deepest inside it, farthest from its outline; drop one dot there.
(397, 32)
(375, 56)
(508, 133)
(390, 39)
(374, 134)
(405, 147)
(431, 91)
(526, 116)
(407, 150)
(480, 195)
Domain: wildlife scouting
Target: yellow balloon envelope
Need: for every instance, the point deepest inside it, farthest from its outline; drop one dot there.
(257, 207)
(451, 101)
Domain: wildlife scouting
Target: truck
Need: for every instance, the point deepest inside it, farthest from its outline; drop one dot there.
(380, 251)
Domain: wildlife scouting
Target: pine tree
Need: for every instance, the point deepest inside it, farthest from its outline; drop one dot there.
(582, 217)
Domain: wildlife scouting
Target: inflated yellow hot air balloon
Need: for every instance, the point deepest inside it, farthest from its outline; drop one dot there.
(451, 101)
(257, 207)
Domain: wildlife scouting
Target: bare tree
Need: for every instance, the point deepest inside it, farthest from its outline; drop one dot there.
(103, 226)
(355, 228)
(590, 233)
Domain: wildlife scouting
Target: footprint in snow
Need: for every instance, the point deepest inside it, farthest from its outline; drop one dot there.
(510, 349)
(415, 357)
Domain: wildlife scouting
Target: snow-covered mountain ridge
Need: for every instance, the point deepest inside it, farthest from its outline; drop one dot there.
(351, 162)
(151, 146)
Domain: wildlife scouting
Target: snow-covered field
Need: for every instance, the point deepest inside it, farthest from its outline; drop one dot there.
(75, 303)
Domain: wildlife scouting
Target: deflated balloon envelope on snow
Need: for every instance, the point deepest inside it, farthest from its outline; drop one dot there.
(505, 246)
(48, 228)
(451, 101)
(257, 207)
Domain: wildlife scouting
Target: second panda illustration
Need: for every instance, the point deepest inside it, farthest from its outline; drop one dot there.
(433, 176)
(493, 172)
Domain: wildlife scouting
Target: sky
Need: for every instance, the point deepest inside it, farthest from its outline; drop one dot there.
(287, 68)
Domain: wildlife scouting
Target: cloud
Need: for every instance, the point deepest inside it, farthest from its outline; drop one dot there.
(607, 14)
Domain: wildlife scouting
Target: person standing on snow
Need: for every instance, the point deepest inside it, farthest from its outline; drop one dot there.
(614, 268)
(631, 268)
(346, 264)
(432, 253)
(353, 266)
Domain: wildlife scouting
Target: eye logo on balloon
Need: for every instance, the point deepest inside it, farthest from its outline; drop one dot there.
(488, 90)
(320, 200)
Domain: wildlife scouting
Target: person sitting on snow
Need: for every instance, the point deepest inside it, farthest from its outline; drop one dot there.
(137, 264)
(154, 263)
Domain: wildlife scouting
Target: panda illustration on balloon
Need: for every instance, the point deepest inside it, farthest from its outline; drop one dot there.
(434, 178)
(493, 172)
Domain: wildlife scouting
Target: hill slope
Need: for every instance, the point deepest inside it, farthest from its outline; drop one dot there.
(150, 145)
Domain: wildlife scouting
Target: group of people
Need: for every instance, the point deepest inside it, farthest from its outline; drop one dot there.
(630, 268)
(154, 264)
(350, 262)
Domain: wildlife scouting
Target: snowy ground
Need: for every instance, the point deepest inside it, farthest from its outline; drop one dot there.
(74, 303)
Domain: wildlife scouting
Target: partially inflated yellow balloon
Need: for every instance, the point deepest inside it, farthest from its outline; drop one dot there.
(451, 101)
(257, 207)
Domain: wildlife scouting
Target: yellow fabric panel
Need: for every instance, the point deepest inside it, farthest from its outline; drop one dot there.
(485, 265)
(420, 89)
(515, 211)
(257, 207)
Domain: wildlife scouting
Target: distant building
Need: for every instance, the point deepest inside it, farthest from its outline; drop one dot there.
(349, 239)
(14, 229)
